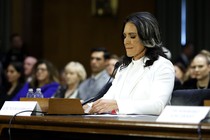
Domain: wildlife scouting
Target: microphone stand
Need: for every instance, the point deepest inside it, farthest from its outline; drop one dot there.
(104, 89)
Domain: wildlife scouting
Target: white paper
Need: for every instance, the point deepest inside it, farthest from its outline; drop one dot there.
(88, 107)
(183, 114)
(12, 107)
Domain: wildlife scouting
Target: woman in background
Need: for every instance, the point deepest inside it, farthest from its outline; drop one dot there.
(45, 76)
(15, 81)
(111, 64)
(74, 74)
(200, 67)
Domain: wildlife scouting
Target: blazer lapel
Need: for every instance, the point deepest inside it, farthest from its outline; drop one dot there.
(140, 75)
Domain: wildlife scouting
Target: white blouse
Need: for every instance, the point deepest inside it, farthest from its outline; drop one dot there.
(143, 90)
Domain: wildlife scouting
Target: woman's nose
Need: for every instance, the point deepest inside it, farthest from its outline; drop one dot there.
(126, 40)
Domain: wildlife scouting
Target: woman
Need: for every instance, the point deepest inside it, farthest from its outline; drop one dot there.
(179, 75)
(201, 69)
(45, 76)
(15, 81)
(74, 74)
(111, 64)
(145, 80)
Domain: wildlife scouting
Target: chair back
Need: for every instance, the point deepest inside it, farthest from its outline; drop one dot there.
(190, 97)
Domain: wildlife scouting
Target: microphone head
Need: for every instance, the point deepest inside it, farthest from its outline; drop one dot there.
(117, 64)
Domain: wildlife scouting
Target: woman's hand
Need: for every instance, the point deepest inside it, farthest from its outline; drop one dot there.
(104, 106)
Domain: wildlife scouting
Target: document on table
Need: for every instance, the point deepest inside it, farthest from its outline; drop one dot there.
(183, 114)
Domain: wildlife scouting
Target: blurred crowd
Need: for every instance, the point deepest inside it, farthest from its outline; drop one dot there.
(20, 71)
(192, 69)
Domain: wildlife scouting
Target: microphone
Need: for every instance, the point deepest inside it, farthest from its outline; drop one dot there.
(105, 88)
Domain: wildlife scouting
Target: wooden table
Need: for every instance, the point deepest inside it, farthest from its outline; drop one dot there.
(98, 127)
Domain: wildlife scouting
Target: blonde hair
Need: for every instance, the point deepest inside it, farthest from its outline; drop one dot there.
(207, 54)
(79, 68)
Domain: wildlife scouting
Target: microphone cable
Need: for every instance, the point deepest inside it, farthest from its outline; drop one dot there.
(107, 85)
(13, 117)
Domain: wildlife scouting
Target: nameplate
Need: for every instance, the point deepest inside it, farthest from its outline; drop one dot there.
(183, 114)
(62, 106)
(42, 102)
(10, 108)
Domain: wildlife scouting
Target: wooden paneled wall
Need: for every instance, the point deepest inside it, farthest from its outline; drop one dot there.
(68, 30)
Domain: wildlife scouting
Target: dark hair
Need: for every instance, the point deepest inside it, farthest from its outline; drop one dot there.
(180, 66)
(149, 33)
(53, 73)
(19, 68)
(23, 49)
(101, 49)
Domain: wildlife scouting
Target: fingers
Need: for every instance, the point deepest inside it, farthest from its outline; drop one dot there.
(98, 107)
(104, 106)
(98, 102)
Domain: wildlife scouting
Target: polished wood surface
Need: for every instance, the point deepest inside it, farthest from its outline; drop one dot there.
(82, 126)
(206, 102)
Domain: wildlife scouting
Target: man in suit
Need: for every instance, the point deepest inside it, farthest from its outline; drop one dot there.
(99, 76)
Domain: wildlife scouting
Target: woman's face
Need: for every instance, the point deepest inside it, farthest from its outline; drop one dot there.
(12, 74)
(178, 73)
(71, 76)
(200, 67)
(110, 66)
(133, 45)
(42, 72)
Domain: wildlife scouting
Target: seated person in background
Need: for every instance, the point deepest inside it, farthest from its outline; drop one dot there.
(179, 72)
(111, 64)
(206, 53)
(74, 74)
(186, 55)
(28, 64)
(179, 75)
(17, 52)
(45, 76)
(99, 76)
(14, 83)
(201, 68)
(189, 73)
(62, 77)
(144, 82)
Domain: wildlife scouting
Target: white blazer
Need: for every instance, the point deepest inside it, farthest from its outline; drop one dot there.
(143, 90)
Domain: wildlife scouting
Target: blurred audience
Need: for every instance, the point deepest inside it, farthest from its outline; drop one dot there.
(111, 64)
(179, 71)
(99, 76)
(179, 75)
(45, 76)
(207, 53)
(186, 55)
(29, 62)
(62, 77)
(74, 74)
(199, 71)
(17, 51)
(15, 82)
